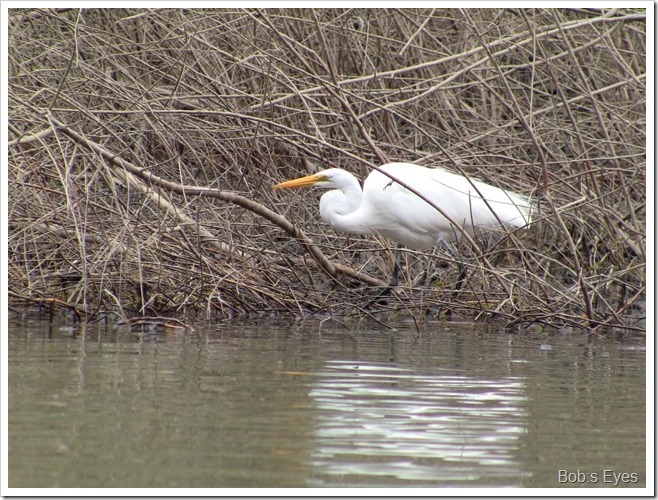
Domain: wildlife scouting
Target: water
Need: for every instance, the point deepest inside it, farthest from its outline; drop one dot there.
(323, 405)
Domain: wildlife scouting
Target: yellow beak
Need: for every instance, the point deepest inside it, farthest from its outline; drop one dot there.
(309, 180)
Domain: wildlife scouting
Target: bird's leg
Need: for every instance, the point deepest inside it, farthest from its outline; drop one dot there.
(425, 276)
(450, 248)
(461, 277)
(393, 282)
(395, 277)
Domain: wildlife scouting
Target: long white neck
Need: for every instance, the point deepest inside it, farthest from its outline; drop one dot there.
(340, 208)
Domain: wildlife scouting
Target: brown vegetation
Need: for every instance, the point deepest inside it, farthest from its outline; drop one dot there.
(144, 144)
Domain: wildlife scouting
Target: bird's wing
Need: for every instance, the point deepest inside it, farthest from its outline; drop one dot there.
(402, 215)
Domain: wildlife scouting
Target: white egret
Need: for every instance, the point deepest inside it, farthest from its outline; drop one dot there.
(387, 208)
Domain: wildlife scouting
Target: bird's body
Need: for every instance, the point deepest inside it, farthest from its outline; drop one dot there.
(389, 209)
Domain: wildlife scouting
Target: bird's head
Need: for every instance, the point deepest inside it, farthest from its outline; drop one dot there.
(332, 178)
(343, 198)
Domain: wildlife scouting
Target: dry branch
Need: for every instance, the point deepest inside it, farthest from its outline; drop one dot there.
(127, 125)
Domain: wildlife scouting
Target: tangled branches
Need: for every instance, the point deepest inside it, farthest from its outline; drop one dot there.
(144, 144)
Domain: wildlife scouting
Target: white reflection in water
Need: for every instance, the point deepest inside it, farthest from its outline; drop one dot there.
(379, 420)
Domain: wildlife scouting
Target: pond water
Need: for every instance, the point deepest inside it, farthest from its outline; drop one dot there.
(326, 405)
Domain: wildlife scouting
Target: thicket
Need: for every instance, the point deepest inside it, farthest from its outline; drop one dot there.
(143, 145)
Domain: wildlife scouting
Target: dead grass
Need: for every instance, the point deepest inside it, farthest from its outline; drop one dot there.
(144, 144)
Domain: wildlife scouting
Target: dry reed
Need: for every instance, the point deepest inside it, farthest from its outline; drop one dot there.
(144, 144)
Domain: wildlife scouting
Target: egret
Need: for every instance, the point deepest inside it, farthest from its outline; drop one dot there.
(387, 208)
